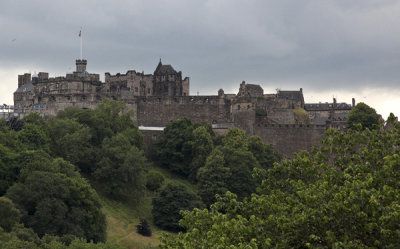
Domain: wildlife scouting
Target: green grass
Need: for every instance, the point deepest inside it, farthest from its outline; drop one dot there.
(123, 216)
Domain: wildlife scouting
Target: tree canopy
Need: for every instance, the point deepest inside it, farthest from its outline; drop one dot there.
(167, 206)
(364, 115)
(342, 195)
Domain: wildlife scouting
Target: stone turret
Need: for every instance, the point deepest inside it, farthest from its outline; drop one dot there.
(23, 79)
(81, 66)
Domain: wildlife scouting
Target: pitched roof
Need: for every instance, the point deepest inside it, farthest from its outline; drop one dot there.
(254, 87)
(164, 69)
(295, 95)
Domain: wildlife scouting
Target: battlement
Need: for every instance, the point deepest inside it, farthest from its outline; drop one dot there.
(157, 99)
(291, 126)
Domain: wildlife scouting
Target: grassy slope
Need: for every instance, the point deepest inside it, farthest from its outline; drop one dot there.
(122, 217)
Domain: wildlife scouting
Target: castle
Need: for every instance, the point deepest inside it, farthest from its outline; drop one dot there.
(282, 119)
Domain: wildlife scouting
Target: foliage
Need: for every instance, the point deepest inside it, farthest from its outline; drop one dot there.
(174, 147)
(121, 168)
(213, 177)
(32, 137)
(167, 205)
(301, 116)
(53, 203)
(230, 166)
(9, 169)
(343, 195)
(364, 115)
(264, 153)
(15, 123)
(154, 180)
(82, 139)
(202, 145)
(143, 228)
(25, 238)
(9, 215)
(71, 140)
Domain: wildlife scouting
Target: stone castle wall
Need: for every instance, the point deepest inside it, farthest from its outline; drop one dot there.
(159, 111)
(157, 99)
(290, 138)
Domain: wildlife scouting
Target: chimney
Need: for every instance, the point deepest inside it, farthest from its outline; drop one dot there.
(334, 102)
(353, 102)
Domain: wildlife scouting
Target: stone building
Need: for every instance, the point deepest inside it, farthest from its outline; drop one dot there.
(168, 82)
(46, 95)
(156, 99)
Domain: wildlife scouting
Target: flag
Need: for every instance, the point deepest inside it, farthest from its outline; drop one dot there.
(80, 33)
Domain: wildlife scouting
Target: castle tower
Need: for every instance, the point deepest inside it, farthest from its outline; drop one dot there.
(81, 66)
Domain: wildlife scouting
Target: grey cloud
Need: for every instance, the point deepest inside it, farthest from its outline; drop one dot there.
(218, 43)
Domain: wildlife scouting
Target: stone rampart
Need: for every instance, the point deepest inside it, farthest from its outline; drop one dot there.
(290, 138)
(159, 111)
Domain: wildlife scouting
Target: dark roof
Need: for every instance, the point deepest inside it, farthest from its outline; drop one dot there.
(28, 87)
(295, 95)
(323, 106)
(254, 87)
(164, 69)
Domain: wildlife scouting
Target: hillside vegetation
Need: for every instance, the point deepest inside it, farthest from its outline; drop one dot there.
(81, 180)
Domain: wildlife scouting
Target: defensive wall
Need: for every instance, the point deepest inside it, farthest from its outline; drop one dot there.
(282, 119)
(159, 111)
(290, 138)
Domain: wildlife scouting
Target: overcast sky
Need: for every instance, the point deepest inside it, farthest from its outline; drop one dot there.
(329, 48)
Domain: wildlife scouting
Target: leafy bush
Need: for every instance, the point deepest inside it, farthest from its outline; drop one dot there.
(154, 180)
(144, 228)
(168, 204)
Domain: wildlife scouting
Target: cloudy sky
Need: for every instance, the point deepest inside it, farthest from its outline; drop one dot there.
(330, 48)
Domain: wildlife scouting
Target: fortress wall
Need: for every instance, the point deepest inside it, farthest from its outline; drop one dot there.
(159, 111)
(245, 120)
(288, 139)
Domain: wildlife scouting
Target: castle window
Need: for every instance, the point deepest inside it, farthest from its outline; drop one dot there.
(148, 91)
(136, 89)
(238, 107)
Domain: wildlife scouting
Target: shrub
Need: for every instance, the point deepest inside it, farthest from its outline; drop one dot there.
(144, 228)
(154, 180)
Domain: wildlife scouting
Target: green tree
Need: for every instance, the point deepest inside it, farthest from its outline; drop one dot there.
(202, 145)
(168, 204)
(33, 137)
(213, 177)
(72, 141)
(342, 195)
(174, 147)
(9, 215)
(53, 203)
(154, 180)
(264, 153)
(121, 168)
(364, 115)
(9, 168)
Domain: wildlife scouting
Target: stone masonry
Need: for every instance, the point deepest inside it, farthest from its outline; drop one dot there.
(282, 119)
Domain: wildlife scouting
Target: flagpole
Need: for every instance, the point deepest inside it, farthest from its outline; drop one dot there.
(80, 36)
